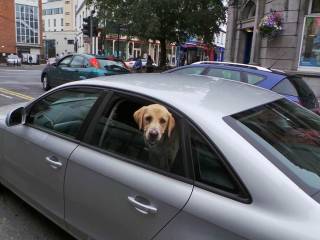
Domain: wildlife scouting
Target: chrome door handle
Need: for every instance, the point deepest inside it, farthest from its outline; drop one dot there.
(53, 162)
(144, 208)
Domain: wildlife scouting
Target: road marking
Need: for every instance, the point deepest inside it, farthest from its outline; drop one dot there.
(6, 96)
(16, 94)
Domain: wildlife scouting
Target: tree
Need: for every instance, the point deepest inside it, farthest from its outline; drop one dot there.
(163, 20)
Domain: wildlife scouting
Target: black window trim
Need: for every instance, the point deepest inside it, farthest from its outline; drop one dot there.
(244, 195)
(189, 178)
(84, 126)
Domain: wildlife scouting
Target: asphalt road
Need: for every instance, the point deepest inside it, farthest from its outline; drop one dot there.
(18, 221)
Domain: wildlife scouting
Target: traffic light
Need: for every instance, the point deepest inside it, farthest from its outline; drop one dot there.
(86, 26)
(95, 29)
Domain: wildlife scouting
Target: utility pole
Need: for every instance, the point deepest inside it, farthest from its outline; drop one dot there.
(91, 31)
(118, 42)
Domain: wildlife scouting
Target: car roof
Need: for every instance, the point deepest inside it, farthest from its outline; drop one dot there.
(235, 65)
(190, 94)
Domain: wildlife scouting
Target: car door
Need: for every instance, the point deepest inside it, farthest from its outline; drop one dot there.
(218, 199)
(61, 73)
(113, 191)
(35, 154)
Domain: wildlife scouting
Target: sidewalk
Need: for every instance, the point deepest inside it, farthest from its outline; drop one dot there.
(23, 67)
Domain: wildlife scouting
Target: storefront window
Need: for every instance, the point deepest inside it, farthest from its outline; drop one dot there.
(310, 52)
(315, 6)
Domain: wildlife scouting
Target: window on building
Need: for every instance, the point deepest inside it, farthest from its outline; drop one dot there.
(27, 24)
(71, 41)
(67, 13)
(315, 6)
(61, 22)
(310, 51)
(67, 2)
(67, 24)
(48, 22)
(54, 22)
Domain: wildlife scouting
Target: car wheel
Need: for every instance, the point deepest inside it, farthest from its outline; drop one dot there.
(45, 83)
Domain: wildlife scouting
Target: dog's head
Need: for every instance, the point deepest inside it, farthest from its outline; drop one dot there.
(155, 120)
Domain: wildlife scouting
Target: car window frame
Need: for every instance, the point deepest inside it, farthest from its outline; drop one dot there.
(245, 196)
(189, 178)
(86, 122)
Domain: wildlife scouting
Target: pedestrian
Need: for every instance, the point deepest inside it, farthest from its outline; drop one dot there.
(149, 64)
(137, 66)
(30, 59)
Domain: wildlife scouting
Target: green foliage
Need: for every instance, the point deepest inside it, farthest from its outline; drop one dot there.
(164, 20)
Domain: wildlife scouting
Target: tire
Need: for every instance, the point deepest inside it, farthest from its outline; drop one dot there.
(45, 83)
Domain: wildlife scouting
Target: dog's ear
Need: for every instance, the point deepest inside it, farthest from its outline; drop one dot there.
(171, 124)
(138, 116)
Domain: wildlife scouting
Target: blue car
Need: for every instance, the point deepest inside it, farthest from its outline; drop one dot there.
(291, 86)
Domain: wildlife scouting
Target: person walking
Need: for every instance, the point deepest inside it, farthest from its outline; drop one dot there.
(149, 64)
(137, 66)
(30, 59)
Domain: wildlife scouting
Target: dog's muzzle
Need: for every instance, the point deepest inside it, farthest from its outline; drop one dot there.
(153, 137)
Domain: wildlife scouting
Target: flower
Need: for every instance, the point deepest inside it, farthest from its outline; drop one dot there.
(271, 25)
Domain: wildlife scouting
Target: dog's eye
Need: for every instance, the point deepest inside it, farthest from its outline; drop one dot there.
(162, 121)
(148, 119)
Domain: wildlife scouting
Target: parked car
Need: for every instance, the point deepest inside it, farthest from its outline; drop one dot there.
(79, 67)
(13, 60)
(245, 167)
(291, 86)
(131, 61)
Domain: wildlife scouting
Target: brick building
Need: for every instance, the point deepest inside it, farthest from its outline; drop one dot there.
(7, 28)
(20, 28)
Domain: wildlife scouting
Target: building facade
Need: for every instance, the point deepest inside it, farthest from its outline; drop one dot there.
(59, 27)
(219, 43)
(28, 29)
(295, 49)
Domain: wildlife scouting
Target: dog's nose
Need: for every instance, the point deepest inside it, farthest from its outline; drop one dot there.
(153, 134)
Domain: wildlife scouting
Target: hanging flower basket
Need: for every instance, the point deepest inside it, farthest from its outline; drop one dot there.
(271, 25)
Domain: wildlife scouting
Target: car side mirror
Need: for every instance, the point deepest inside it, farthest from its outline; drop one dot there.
(15, 117)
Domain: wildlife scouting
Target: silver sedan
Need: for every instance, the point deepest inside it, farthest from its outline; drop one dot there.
(224, 160)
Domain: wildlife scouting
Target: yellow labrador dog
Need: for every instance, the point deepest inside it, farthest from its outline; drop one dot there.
(158, 127)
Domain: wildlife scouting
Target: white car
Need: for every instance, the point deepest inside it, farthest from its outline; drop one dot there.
(13, 60)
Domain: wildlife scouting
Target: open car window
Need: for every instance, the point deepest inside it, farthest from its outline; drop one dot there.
(117, 132)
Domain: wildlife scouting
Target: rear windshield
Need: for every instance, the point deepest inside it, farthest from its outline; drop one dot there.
(288, 135)
(104, 63)
(306, 95)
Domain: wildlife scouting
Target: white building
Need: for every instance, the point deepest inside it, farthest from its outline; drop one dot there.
(59, 27)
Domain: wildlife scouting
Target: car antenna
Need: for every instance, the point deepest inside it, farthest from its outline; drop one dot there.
(276, 61)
